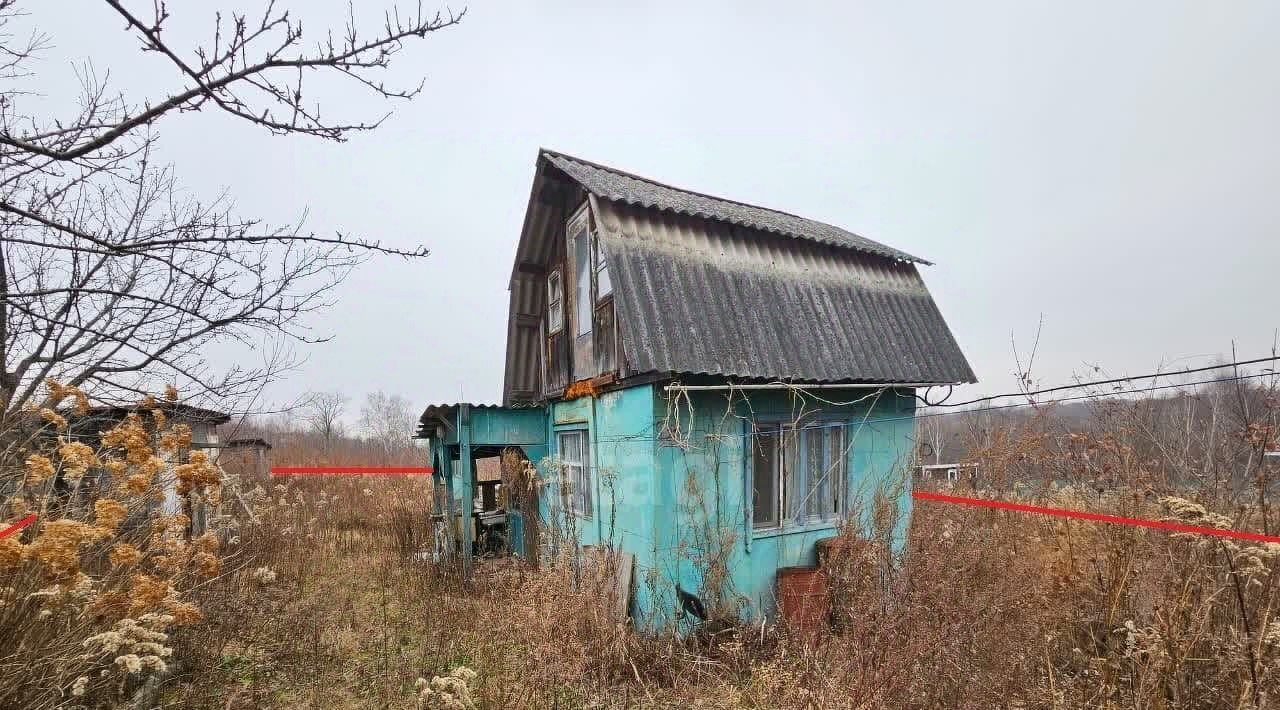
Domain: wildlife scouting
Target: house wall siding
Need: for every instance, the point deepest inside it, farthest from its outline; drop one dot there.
(671, 487)
(620, 426)
(706, 494)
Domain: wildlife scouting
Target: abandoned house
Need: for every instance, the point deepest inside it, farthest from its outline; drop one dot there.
(204, 423)
(708, 386)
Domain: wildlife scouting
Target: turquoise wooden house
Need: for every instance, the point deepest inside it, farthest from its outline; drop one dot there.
(707, 385)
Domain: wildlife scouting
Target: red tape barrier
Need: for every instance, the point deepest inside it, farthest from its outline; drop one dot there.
(29, 519)
(1095, 517)
(352, 470)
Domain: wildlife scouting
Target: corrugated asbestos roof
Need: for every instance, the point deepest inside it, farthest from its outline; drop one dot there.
(617, 186)
(709, 286)
(174, 410)
(446, 411)
(701, 297)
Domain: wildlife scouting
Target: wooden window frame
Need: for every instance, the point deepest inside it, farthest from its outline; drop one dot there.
(580, 224)
(555, 306)
(791, 475)
(579, 472)
(600, 266)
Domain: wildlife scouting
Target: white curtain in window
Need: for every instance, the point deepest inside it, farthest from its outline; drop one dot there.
(577, 470)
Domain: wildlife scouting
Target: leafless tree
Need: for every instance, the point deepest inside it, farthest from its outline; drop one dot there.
(112, 278)
(387, 419)
(324, 414)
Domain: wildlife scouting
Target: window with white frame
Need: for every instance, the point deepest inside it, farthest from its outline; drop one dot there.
(798, 474)
(582, 268)
(575, 458)
(581, 243)
(555, 303)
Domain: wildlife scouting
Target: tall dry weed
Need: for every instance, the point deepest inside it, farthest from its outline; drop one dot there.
(322, 602)
(92, 592)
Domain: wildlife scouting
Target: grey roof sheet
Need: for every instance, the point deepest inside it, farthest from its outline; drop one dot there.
(740, 324)
(618, 186)
(446, 411)
(174, 410)
(696, 298)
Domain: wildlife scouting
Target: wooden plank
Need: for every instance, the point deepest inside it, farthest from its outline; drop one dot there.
(609, 572)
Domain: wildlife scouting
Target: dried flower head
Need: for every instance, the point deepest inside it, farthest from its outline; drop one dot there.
(450, 692)
(39, 469)
(147, 593)
(177, 438)
(59, 392)
(125, 555)
(207, 542)
(59, 543)
(197, 474)
(264, 576)
(130, 436)
(12, 553)
(206, 564)
(183, 613)
(58, 421)
(1190, 512)
(79, 686)
(77, 457)
(130, 663)
(108, 513)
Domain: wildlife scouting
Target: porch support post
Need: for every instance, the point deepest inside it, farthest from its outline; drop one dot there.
(444, 473)
(465, 470)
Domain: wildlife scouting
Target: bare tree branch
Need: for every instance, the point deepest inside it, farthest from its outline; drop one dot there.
(111, 275)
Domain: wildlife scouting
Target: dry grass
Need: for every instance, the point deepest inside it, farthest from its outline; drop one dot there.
(320, 602)
(992, 610)
(92, 591)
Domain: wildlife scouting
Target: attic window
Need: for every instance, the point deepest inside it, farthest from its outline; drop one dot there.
(582, 280)
(555, 303)
(581, 268)
(604, 286)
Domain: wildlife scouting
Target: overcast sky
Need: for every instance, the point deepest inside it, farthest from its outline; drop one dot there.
(1112, 166)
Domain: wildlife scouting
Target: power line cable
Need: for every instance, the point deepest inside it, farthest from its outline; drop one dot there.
(1112, 381)
(1021, 405)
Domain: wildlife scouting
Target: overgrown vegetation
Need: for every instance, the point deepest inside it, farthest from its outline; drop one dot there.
(322, 602)
(313, 593)
(92, 589)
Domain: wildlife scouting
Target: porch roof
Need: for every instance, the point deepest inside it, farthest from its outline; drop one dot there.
(489, 424)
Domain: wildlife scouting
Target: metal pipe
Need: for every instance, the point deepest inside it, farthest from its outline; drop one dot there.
(784, 386)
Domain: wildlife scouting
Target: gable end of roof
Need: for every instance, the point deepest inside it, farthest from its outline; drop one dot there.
(618, 186)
